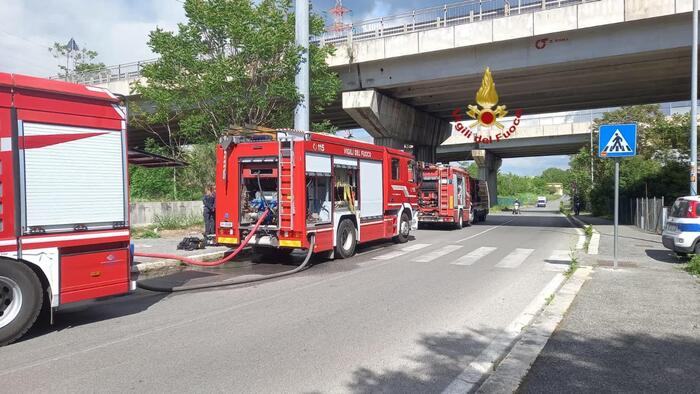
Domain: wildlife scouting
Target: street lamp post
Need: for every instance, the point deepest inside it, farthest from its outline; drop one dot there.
(694, 106)
(301, 115)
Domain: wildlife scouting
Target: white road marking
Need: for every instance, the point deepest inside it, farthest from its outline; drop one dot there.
(390, 255)
(486, 360)
(558, 262)
(473, 256)
(515, 258)
(581, 234)
(400, 252)
(447, 249)
(593, 244)
(581, 239)
(484, 232)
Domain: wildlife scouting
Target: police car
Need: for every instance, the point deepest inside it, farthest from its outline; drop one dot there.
(682, 230)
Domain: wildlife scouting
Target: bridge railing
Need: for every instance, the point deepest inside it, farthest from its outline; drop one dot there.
(417, 20)
(440, 16)
(121, 72)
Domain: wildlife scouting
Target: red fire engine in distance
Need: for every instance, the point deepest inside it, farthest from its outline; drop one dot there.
(447, 194)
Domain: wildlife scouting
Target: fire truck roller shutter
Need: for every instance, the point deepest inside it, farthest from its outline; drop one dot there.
(66, 169)
(371, 190)
(344, 162)
(318, 163)
(318, 193)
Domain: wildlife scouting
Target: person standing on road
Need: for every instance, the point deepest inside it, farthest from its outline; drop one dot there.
(577, 206)
(209, 201)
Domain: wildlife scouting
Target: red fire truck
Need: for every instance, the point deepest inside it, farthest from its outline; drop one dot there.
(342, 191)
(444, 195)
(448, 194)
(64, 219)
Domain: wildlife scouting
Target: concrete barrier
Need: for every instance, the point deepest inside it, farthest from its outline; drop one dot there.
(143, 213)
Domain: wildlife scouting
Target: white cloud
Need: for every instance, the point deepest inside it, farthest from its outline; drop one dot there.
(117, 30)
(379, 9)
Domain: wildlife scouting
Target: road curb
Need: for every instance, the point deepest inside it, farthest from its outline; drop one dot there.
(581, 243)
(510, 372)
(488, 359)
(594, 242)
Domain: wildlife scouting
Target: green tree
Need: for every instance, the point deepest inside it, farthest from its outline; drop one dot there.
(78, 60)
(555, 175)
(232, 62)
(659, 169)
(181, 183)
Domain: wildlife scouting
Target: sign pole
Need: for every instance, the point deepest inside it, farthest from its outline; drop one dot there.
(617, 208)
(694, 106)
(616, 141)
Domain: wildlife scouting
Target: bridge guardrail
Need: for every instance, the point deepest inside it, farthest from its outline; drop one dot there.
(439, 16)
(417, 20)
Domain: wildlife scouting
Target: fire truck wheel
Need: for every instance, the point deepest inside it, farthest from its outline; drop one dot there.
(346, 240)
(459, 223)
(404, 229)
(20, 300)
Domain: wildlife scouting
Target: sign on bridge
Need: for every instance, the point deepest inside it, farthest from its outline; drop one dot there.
(617, 140)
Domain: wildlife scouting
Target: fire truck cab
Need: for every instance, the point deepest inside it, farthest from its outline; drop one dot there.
(64, 212)
(444, 195)
(342, 191)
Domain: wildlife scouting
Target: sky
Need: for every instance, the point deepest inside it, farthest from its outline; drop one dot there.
(118, 31)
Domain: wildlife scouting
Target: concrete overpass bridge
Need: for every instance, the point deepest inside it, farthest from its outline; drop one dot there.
(404, 75)
(546, 56)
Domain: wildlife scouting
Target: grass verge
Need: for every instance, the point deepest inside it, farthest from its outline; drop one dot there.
(177, 222)
(693, 266)
(167, 222)
(144, 233)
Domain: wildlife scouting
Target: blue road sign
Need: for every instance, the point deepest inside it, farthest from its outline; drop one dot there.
(617, 140)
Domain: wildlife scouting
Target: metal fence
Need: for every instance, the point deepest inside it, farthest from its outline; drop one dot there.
(436, 17)
(120, 72)
(648, 214)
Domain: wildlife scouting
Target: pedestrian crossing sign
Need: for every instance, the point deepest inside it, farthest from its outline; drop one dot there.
(617, 140)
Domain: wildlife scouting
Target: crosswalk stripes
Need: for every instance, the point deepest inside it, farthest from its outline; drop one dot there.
(447, 249)
(515, 258)
(473, 256)
(558, 262)
(400, 252)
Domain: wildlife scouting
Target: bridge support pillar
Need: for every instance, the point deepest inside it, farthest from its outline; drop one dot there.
(389, 121)
(389, 142)
(427, 153)
(488, 164)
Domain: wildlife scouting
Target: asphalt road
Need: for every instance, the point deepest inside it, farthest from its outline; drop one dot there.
(396, 318)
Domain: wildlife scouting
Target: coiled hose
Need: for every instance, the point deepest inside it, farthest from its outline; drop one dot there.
(227, 282)
(199, 263)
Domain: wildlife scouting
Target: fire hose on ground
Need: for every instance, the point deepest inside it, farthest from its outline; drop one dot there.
(227, 282)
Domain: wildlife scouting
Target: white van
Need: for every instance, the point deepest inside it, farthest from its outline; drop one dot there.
(541, 202)
(683, 226)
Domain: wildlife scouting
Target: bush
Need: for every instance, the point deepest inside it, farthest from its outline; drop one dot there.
(177, 222)
(174, 184)
(693, 265)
